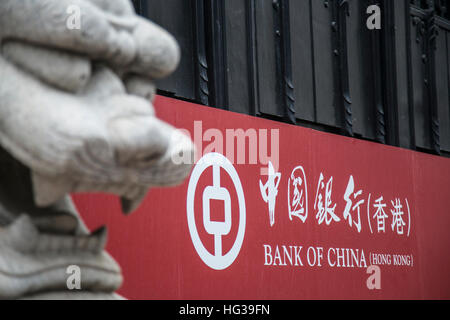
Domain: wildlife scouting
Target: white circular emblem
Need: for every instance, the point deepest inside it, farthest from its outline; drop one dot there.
(218, 260)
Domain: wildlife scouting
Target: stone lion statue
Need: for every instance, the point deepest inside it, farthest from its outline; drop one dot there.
(76, 116)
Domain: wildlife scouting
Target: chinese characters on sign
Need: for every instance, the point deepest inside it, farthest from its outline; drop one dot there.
(298, 201)
(323, 204)
(383, 215)
(269, 191)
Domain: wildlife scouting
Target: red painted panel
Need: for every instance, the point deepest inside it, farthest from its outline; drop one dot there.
(314, 256)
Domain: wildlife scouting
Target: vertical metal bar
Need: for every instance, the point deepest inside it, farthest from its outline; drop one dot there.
(387, 121)
(389, 78)
(283, 56)
(412, 126)
(252, 57)
(331, 4)
(217, 52)
(344, 12)
(340, 12)
(137, 6)
(201, 63)
(441, 8)
(430, 78)
(144, 7)
(311, 26)
(378, 63)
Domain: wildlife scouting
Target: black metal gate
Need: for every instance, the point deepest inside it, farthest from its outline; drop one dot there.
(315, 63)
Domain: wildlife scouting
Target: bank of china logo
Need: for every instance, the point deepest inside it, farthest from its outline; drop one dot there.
(219, 229)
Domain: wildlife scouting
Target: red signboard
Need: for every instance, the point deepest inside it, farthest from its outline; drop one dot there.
(275, 211)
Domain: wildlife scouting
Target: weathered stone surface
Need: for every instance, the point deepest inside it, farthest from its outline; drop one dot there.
(32, 262)
(63, 70)
(76, 113)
